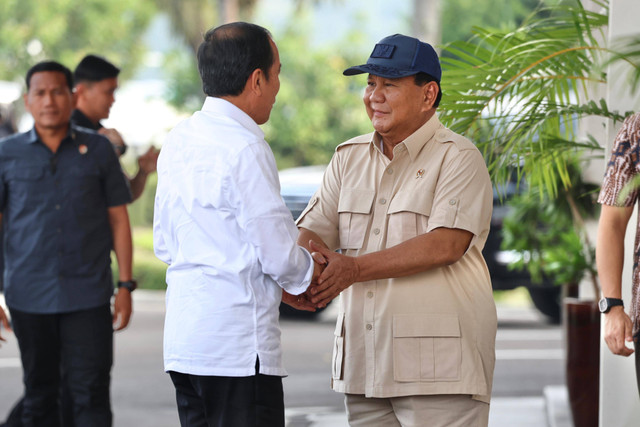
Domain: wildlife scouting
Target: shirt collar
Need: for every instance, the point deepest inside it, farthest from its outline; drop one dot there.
(422, 136)
(417, 139)
(80, 119)
(32, 136)
(227, 109)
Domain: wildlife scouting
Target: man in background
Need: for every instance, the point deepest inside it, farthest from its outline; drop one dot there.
(96, 81)
(63, 205)
(618, 196)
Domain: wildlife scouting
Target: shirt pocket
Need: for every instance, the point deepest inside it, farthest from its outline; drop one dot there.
(408, 217)
(426, 347)
(338, 349)
(354, 209)
(26, 185)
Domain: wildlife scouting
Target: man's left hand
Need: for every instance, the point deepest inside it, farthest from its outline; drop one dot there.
(299, 302)
(149, 160)
(340, 273)
(122, 309)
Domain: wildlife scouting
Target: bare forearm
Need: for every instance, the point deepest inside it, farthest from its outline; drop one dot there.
(121, 235)
(305, 235)
(610, 249)
(438, 248)
(137, 184)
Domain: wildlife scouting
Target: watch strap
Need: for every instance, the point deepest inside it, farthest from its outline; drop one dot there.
(131, 285)
(606, 304)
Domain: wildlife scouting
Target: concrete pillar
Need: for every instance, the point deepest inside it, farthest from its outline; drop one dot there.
(619, 401)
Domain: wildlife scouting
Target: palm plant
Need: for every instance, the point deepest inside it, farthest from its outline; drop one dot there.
(520, 95)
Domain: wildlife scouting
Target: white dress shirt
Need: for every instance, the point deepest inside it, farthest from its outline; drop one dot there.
(230, 243)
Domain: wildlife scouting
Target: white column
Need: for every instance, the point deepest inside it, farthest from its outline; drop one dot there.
(619, 400)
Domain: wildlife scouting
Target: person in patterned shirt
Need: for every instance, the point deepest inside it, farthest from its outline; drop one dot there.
(618, 195)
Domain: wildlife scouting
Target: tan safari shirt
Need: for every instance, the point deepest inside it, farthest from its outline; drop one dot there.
(433, 332)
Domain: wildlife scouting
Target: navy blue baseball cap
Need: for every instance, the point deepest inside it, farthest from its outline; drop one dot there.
(400, 56)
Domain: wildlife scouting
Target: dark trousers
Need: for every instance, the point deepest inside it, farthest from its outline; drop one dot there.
(66, 351)
(208, 401)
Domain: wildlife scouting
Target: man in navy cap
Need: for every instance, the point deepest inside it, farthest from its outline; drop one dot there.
(409, 206)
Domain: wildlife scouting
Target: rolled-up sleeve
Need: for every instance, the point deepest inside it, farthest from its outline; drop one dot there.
(463, 197)
(321, 214)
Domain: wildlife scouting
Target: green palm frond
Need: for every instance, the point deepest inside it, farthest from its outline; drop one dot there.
(519, 94)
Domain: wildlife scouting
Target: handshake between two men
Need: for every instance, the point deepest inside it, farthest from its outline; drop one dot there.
(333, 273)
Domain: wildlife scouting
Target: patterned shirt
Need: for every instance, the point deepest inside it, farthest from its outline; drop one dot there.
(620, 189)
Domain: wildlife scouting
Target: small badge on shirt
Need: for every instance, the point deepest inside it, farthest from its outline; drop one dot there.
(420, 173)
(83, 149)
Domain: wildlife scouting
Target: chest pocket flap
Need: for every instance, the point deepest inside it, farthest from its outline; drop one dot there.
(409, 201)
(28, 173)
(354, 208)
(408, 216)
(356, 200)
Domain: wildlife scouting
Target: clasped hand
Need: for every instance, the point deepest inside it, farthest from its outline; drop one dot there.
(332, 274)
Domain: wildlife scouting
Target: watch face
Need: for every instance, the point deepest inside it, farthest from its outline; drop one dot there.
(603, 305)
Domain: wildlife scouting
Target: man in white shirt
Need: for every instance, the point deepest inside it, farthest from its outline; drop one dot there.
(229, 240)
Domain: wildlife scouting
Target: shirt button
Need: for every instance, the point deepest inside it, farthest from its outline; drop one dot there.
(376, 231)
(390, 171)
(59, 230)
(383, 201)
(369, 326)
(370, 294)
(452, 202)
(57, 207)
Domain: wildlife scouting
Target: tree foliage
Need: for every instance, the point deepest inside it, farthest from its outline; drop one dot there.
(62, 30)
(317, 107)
(496, 14)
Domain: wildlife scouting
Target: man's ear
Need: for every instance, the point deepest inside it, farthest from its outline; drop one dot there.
(74, 98)
(80, 88)
(255, 81)
(430, 91)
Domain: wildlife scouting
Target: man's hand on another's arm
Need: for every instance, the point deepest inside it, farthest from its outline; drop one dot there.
(114, 137)
(340, 272)
(303, 301)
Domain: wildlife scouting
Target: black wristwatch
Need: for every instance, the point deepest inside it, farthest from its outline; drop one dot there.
(129, 284)
(606, 304)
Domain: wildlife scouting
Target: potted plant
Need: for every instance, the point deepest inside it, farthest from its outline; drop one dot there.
(519, 95)
(550, 235)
